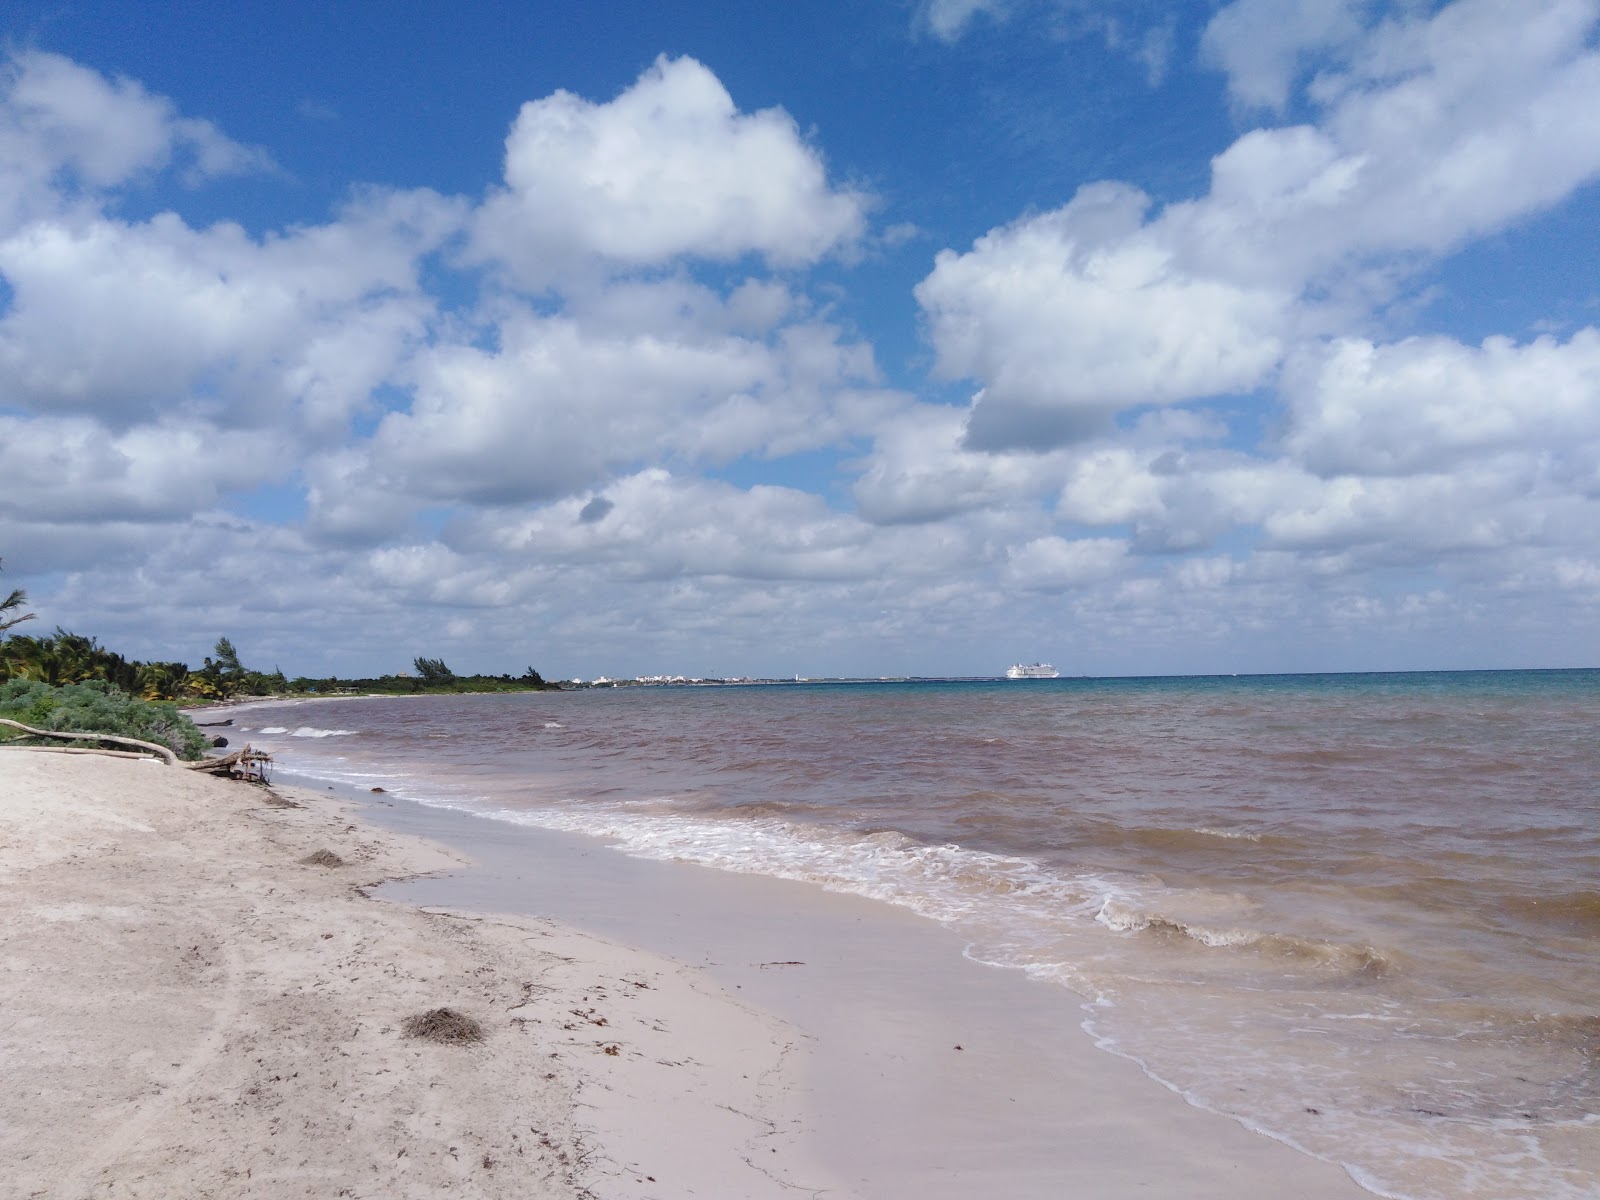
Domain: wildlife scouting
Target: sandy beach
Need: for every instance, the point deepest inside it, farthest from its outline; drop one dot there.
(194, 1009)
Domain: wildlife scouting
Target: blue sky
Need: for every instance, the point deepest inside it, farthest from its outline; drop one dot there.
(822, 339)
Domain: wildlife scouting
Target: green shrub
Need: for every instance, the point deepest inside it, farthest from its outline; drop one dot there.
(99, 708)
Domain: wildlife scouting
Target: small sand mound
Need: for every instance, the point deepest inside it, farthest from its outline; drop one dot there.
(443, 1025)
(323, 858)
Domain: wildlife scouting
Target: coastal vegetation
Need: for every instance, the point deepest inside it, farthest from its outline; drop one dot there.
(98, 707)
(429, 676)
(64, 658)
(69, 684)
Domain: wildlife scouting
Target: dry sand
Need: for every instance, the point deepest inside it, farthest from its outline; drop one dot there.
(190, 1009)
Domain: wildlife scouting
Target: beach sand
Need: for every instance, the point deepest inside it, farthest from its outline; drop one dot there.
(190, 1009)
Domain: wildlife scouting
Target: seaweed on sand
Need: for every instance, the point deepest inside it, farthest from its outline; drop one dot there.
(444, 1025)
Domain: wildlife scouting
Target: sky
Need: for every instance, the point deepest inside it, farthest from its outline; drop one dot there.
(867, 338)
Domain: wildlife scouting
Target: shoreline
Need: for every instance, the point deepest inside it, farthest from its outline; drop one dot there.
(935, 1076)
(213, 1014)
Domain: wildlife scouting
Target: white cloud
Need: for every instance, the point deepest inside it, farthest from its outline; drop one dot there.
(70, 469)
(669, 169)
(170, 367)
(1205, 574)
(948, 19)
(1443, 129)
(1051, 564)
(64, 127)
(1114, 485)
(627, 376)
(564, 402)
(126, 322)
(664, 527)
(1431, 404)
(920, 471)
(347, 503)
(1154, 50)
(1262, 44)
(556, 407)
(1070, 316)
(1411, 521)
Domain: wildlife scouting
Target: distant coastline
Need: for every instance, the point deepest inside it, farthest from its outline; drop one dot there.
(658, 682)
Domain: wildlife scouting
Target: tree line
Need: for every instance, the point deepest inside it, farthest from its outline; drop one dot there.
(64, 658)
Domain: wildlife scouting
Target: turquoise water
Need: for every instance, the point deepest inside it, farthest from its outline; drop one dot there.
(1359, 912)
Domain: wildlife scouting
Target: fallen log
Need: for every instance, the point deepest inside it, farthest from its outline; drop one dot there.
(244, 764)
(165, 752)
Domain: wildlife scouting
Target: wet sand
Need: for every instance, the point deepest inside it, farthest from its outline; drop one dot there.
(928, 1075)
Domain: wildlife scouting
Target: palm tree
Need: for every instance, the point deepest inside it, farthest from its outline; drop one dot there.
(161, 680)
(10, 605)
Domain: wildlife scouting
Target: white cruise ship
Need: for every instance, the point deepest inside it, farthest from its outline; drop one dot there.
(1032, 671)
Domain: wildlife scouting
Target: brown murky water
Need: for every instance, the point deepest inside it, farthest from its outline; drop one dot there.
(1361, 913)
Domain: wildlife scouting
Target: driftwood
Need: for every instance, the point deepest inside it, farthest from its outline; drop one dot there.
(241, 764)
(165, 752)
(219, 764)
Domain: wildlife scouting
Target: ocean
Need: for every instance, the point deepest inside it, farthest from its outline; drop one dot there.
(1359, 913)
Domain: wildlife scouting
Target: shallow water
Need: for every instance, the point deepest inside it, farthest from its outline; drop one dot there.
(1359, 912)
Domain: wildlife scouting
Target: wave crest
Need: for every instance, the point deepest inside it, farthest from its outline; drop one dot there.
(1121, 917)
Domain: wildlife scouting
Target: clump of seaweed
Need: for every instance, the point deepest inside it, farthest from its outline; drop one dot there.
(444, 1025)
(323, 858)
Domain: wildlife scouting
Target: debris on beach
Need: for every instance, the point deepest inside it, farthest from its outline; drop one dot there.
(444, 1025)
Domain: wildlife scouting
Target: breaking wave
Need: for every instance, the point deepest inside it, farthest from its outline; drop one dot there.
(1120, 917)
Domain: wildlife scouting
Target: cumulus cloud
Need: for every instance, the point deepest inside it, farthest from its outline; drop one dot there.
(1431, 404)
(921, 471)
(1114, 485)
(1261, 45)
(1409, 521)
(167, 367)
(668, 169)
(73, 470)
(562, 402)
(660, 526)
(65, 128)
(1053, 564)
(127, 322)
(1070, 316)
(554, 407)
(1427, 139)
